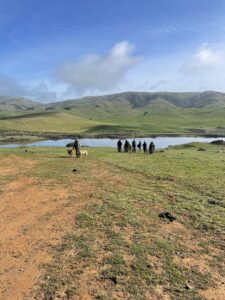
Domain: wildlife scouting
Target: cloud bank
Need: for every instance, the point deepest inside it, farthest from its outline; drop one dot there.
(196, 71)
(96, 73)
(204, 70)
(121, 70)
(39, 91)
(203, 60)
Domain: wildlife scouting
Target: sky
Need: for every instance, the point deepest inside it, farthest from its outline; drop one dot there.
(52, 50)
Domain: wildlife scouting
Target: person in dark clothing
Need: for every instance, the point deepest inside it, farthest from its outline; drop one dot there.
(76, 146)
(144, 147)
(127, 146)
(151, 148)
(134, 146)
(139, 146)
(119, 145)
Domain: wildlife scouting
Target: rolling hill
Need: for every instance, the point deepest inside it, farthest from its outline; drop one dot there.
(143, 99)
(14, 104)
(123, 114)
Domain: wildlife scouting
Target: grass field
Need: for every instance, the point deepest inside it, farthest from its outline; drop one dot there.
(119, 120)
(96, 233)
(53, 122)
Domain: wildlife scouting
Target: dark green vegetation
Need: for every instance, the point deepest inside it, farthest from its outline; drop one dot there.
(118, 246)
(125, 114)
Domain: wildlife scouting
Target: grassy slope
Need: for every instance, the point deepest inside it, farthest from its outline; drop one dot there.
(12, 104)
(119, 246)
(126, 114)
(121, 120)
(158, 119)
(42, 122)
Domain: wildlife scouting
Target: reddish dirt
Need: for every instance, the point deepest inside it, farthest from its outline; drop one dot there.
(199, 262)
(161, 294)
(15, 164)
(217, 293)
(33, 218)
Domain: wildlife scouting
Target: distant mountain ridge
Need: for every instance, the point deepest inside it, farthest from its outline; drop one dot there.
(142, 99)
(122, 114)
(16, 104)
(132, 99)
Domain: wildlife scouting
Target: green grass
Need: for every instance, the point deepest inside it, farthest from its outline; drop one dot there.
(119, 119)
(118, 234)
(50, 122)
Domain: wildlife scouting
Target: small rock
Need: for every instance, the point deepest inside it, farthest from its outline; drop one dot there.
(114, 279)
(167, 215)
(188, 287)
(211, 201)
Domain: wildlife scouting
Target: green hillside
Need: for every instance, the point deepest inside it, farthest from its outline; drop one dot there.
(130, 113)
(14, 104)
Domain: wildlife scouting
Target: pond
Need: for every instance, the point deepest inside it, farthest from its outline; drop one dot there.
(160, 142)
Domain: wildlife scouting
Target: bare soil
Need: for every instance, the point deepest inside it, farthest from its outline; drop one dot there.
(33, 219)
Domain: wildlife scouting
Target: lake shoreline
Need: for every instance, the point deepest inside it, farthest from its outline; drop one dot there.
(160, 142)
(12, 137)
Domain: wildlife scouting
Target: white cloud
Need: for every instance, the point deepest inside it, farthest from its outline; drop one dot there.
(42, 92)
(97, 73)
(153, 86)
(120, 70)
(206, 56)
(197, 70)
(204, 59)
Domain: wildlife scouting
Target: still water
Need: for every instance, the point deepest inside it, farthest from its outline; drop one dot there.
(160, 142)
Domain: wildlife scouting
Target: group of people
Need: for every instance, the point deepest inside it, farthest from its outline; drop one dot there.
(133, 146)
(127, 147)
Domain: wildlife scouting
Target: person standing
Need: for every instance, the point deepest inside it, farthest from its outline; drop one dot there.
(151, 148)
(76, 146)
(126, 146)
(139, 146)
(119, 145)
(134, 146)
(144, 147)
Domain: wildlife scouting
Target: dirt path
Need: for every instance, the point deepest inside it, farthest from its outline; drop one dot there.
(33, 218)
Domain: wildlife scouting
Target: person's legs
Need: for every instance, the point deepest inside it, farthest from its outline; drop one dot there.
(78, 153)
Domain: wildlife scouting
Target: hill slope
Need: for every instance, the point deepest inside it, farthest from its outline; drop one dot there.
(124, 114)
(14, 104)
(143, 99)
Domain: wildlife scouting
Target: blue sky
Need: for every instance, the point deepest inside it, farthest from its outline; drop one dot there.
(54, 49)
